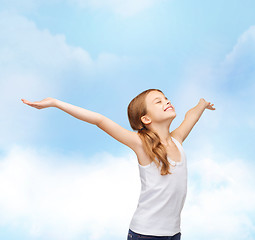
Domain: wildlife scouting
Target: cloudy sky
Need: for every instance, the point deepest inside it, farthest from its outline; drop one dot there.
(65, 179)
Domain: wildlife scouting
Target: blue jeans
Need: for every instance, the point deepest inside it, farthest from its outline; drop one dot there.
(137, 236)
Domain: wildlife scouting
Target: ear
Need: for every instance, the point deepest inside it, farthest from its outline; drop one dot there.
(145, 119)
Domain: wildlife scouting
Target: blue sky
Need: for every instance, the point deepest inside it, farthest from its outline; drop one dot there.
(61, 178)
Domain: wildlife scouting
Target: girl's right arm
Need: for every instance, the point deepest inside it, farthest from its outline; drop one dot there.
(128, 138)
(191, 118)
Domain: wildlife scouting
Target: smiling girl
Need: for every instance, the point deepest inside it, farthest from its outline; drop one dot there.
(161, 158)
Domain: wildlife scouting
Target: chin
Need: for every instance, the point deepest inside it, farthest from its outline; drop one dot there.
(174, 115)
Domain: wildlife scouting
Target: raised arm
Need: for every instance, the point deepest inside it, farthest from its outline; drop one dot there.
(129, 138)
(191, 118)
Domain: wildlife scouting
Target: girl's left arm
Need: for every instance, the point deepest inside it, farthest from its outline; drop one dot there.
(191, 118)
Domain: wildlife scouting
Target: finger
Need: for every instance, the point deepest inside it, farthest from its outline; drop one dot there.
(27, 102)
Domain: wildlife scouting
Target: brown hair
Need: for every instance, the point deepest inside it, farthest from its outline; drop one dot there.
(151, 141)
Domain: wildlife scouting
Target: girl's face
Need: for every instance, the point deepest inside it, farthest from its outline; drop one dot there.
(158, 107)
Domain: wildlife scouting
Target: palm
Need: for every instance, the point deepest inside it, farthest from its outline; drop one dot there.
(210, 106)
(47, 102)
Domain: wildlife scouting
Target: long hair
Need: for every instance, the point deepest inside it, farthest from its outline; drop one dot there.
(151, 141)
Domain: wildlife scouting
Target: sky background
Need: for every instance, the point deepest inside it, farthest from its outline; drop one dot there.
(65, 179)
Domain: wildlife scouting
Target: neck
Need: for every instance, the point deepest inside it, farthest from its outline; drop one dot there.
(163, 130)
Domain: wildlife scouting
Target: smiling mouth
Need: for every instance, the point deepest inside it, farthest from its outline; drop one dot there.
(171, 108)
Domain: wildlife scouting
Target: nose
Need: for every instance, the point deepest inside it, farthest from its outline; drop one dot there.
(169, 104)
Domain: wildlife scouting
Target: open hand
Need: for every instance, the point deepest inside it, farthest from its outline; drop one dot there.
(47, 102)
(208, 105)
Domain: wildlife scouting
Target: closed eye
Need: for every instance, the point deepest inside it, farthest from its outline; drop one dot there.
(165, 98)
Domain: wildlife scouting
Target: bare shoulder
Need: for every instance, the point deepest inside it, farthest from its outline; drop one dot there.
(137, 142)
(140, 152)
(142, 157)
(177, 137)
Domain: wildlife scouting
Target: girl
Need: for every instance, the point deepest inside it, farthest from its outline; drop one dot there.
(161, 158)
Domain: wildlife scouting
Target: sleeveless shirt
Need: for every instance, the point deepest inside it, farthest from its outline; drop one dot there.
(161, 198)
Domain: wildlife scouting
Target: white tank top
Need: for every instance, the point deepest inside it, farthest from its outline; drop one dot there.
(161, 199)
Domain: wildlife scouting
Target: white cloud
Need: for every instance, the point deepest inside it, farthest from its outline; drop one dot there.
(34, 64)
(228, 84)
(221, 202)
(237, 74)
(27, 49)
(245, 47)
(47, 195)
(238, 65)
